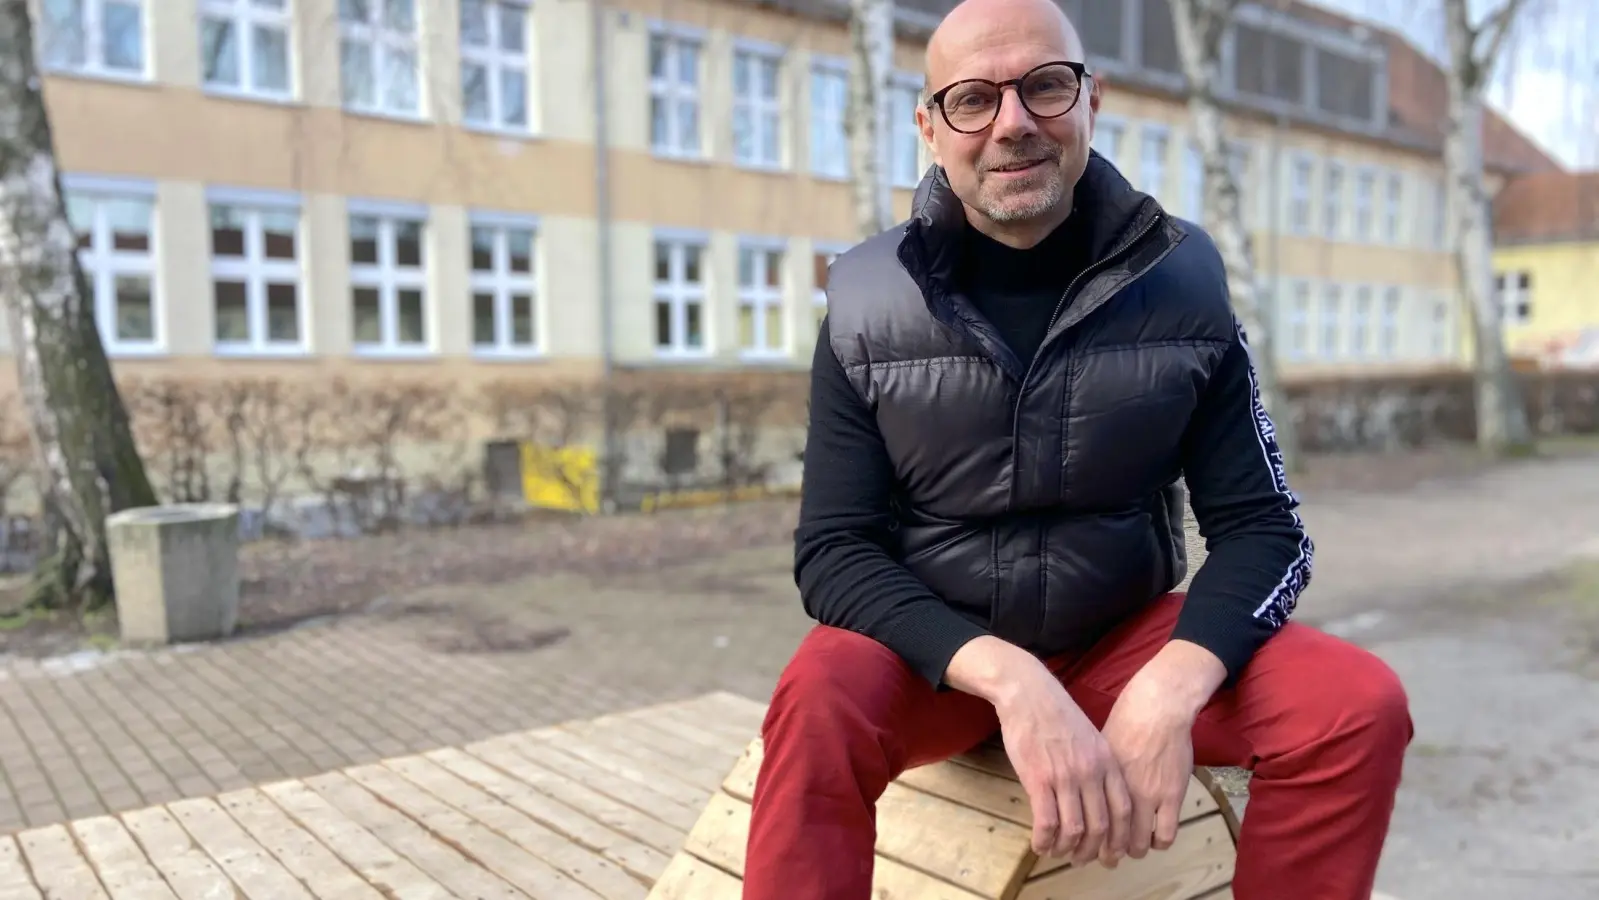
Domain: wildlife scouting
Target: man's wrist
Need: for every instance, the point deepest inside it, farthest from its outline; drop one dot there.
(1180, 680)
(990, 668)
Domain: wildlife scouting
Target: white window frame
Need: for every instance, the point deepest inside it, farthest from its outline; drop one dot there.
(1194, 183)
(1440, 327)
(1393, 304)
(102, 264)
(1110, 138)
(828, 123)
(758, 297)
(498, 62)
(389, 279)
(503, 283)
(1148, 136)
(1301, 194)
(1329, 340)
(906, 88)
(1300, 305)
(1513, 290)
(1365, 224)
(678, 143)
(1362, 308)
(1332, 200)
(1393, 207)
(384, 41)
(94, 60)
(679, 295)
(1440, 214)
(255, 270)
(245, 16)
(757, 108)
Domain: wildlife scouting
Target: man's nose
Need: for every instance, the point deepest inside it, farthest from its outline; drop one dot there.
(1013, 119)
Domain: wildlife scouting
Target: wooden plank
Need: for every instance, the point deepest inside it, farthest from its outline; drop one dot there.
(679, 722)
(258, 875)
(188, 871)
(576, 861)
(458, 873)
(642, 860)
(1197, 804)
(966, 847)
(477, 843)
(687, 878)
(740, 780)
(393, 875)
(739, 715)
(1004, 798)
(892, 881)
(643, 774)
(61, 872)
(599, 778)
(721, 834)
(690, 763)
(327, 876)
(629, 819)
(15, 882)
(1199, 861)
(117, 859)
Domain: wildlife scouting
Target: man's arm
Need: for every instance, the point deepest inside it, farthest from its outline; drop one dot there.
(846, 575)
(1259, 558)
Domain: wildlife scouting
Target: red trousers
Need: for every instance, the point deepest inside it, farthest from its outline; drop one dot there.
(1322, 723)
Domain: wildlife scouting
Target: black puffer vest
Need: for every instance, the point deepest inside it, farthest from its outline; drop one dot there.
(1039, 499)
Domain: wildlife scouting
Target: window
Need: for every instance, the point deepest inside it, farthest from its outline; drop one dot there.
(679, 296)
(904, 138)
(1388, 330)
(829, 100)
(504, 291)
(1299, 321)
(115, 228)
(387, 282)
(244, 46)
(1442, 337)
(378, 56)
(760, 300)
(1365, 189)
(1299, 196)
(1440, 214)
(1331, 320)
(1360, 322)
(99, 37)
(255, 276)
(494, 64)
(1108, 139)
(1238, 167)
(1513, 297)
(1152, 162)
(1194, 184)
(1392, 199)
(674, 94)
(1332, 209)
(757, 109)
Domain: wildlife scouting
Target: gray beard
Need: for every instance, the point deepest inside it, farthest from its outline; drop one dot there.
(1030, 206)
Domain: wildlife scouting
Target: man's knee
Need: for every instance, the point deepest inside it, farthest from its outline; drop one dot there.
(1372, 701)
(835, 678)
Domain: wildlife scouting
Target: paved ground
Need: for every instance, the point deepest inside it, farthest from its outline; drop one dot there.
(1500, 788)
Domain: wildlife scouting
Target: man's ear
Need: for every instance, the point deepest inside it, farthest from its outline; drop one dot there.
(924, 124)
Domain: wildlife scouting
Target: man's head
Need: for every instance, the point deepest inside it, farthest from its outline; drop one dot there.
(1016, 175)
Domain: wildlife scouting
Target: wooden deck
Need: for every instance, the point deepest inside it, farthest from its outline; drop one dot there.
(589, 809)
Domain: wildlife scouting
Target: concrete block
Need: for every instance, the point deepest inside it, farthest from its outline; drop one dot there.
(175, 570)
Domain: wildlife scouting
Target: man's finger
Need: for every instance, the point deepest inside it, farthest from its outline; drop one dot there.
(1096, 821)
(1166, 825)
(1141, 827)
(1046, 816)
(1120, 805)
(1070, 805)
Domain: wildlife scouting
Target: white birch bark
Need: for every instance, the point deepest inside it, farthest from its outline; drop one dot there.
(88, 463)
(1199, 26)
(1502, 426)
(866, 122)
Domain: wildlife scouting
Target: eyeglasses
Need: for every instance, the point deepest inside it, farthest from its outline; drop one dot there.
(1048, 91)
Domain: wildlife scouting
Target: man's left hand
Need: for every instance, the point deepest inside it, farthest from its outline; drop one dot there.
(1150, 732)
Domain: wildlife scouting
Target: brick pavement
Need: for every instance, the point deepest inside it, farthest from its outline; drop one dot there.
(90, 734)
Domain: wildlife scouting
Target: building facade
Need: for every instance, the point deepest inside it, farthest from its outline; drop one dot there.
(304, 187)
(1546, 262)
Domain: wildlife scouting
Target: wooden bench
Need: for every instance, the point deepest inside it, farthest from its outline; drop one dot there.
(960, 830)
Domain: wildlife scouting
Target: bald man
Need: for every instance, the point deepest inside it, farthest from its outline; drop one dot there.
(1007, 392)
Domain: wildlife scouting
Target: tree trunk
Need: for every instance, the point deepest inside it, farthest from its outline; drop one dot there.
(89, 464)
(871, 56)
(1502, 426)
(1199, 25)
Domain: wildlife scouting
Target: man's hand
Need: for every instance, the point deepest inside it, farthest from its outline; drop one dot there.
(1079, 802)
(1150, 731)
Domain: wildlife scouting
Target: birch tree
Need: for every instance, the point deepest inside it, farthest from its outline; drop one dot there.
(1199, 27)
(871, 31)
(88, 464)
(1502, 426)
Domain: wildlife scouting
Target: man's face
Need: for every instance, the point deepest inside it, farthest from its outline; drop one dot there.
(1023, 166)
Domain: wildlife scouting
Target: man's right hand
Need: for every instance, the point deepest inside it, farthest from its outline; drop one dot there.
(1080, 802)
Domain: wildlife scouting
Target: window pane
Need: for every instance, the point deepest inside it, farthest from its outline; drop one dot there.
(513, 29)
(135, 314)
(819, 264)
(270, 65)
(399, 14)
(355, 73)
(513, 97)
(746, 326)
(774, 327)
(278, 233)
(129, 221)
(521, 319)
(410, 324)
(227, 231)
(660, 135)
(232, 311)
(65, 42)
(482, 249)
(696, 335)
(474, 92)
(474, 23)
(368, 315)
(483, 319)
(663, 323)
(663, 262)
(774, 268)
(408, 242)
(219, 52)
(123, 36)
(400, 94)
(657, 56)
(691, 263)
(80, 212)
(688, 64)
(363, 240)
(688, 126)
(355, 10)
(746, 267)
(283, 313)
(519, 241)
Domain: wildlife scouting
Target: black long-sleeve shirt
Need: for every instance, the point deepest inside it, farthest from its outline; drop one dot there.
(844, 566)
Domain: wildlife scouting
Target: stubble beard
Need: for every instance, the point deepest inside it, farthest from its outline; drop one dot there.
(1010, 203)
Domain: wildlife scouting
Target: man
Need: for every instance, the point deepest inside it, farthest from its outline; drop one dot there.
(1005, 392)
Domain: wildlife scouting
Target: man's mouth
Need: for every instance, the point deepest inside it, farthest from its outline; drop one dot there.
(1017, 166)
